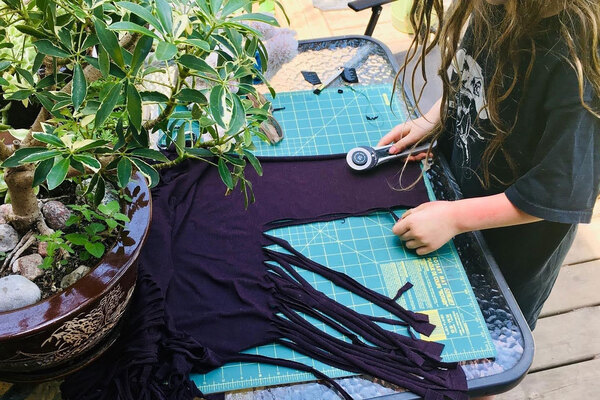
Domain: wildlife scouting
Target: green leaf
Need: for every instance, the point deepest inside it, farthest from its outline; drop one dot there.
(61, 104)
(4, 64)
(100, 191)
(131, 27)
(49, 139)
(267, 19)
(165, 51)
(94, 228)
(37, 63)
(109, 208)
(103, 62)
(225, 174)
(199, 152)
(20, 94)
(19, 155)
(232, 6)
(41, 156)
(79, 87)
(238, 116)
(141, 137)
(196, 64)
(149, 153)
(154, 97)
(203, 5)
(142, 49)
(72, 220)
(217, 99)
(165, 15)
(150, 173)
(90, 187)
(235, 160)
(41, 171)
(188, 95)
(121, 217)
(50, 80)
(108, 104)
(180, 139)
(225, 42)
(88, 160)
(141, 12)
(77, 165)
(90, 40)
(58, 173)
(46, 47)
(78, 239)
(26, 75)
(253, 161)
(96, 249)
(109, 42)
(123, 172)
(65, 39)
(88, 144)
(202, 44)
(134, 106)
(215, 5)
(28, 30)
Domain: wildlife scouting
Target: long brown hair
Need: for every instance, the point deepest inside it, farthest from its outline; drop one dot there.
(509, 35)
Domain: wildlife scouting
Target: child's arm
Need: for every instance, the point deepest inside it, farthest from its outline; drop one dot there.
(429, 226)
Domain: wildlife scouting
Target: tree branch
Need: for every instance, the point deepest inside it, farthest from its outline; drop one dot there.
(5, 151)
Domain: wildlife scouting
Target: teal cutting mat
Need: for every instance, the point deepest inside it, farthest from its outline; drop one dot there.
(361, 247)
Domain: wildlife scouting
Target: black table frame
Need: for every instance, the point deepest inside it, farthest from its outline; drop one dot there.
(476, 257)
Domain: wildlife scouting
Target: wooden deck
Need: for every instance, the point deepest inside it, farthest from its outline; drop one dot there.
(566, 365)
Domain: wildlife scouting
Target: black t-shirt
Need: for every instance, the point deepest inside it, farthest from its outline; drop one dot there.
(555, 146)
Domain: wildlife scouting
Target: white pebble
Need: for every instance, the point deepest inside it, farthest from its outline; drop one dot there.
(17, 291)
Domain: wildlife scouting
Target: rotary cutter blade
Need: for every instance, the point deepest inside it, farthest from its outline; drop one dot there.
(365, 157)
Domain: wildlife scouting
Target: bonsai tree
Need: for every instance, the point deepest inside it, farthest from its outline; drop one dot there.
(95, 66)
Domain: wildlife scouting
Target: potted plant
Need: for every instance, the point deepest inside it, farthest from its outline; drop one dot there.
(107, 76)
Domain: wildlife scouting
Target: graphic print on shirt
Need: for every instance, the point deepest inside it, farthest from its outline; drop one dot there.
(469, 101)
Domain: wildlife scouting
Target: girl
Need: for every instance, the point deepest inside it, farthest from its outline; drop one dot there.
(519, 123)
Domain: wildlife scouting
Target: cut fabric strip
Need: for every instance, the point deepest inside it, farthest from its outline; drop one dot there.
(209, 287)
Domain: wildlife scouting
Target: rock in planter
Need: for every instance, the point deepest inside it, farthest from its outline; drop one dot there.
(8, 238)
(56, 214)
(17, 291)
(5, 211)
(28, 266)
(74, 276)
(43, 249)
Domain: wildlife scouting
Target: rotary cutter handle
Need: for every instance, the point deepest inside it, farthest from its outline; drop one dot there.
(365, 157)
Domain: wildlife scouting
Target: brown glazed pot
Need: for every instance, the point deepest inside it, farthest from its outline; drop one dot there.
(64, 332)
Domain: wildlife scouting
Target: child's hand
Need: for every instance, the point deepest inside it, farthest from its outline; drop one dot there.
(427, 227)
(406, 135)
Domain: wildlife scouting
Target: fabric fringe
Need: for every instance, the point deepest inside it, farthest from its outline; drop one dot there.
(150, 361)
(409, 362)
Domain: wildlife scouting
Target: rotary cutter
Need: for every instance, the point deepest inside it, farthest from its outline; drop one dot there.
(365, 157)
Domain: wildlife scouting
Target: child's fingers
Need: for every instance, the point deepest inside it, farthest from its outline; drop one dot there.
(415, 244)
(395, 134)
(417, 157)
(403, 143)
(400, 228)
(424, 250)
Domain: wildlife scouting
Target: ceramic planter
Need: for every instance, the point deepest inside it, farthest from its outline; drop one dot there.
(64, 332)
